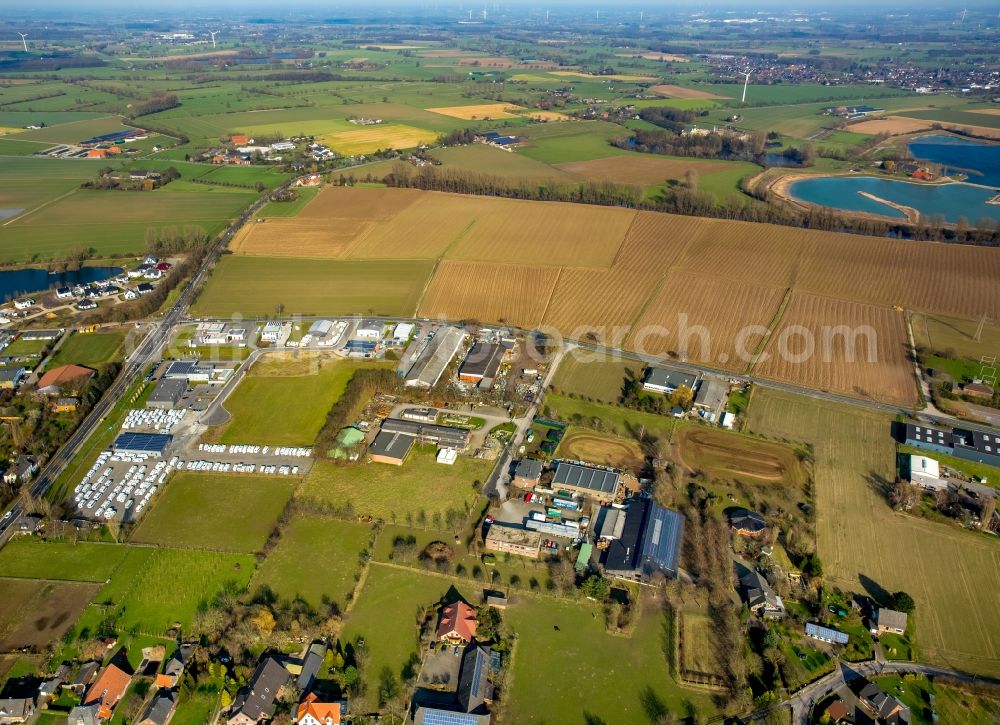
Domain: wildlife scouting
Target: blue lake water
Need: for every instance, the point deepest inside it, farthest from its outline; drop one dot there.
(14, 282)
(979, 160)
(950, 200)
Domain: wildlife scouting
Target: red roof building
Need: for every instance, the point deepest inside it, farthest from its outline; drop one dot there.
(239, 139)
(107, 690)
(313, 712)
(457, 624)
(65, 377)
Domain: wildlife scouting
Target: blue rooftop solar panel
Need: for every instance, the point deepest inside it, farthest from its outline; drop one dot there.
(142, 442)
(443, 717)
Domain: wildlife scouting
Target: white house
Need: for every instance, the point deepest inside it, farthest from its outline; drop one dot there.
(271, 331)
(24, 304)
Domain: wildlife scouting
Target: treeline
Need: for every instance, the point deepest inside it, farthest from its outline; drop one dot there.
(604, 193)
(364, 384)
(673, 119)
(727, 146)
(170, 240)
(159, 101)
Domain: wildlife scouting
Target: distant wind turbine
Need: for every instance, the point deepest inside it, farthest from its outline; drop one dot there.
(964, 12)
(213, 33)
(24, 40)
(745, 84)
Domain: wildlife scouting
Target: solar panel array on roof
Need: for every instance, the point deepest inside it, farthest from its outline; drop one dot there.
(594, 479)
(432, 716)
(154, 443)
(662, 540)
(826, 634)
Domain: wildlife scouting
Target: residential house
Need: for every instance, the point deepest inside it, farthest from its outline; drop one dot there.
(31, 524)
(130, 294)
(144, 288)
(16, 710)
(11, 376)
(256, 702)
(513, 540)
(761, 599)
(457, 624)
(107, 690)
(83, 715)
(87, 304)
(23, 468)
(160, 710)
(65, 405)
(881, 705)
(313, 711)
(64, 378)
(528, 472)
(888, 620)
(82, 678)
(747, 523)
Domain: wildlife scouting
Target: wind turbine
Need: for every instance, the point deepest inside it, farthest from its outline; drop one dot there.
(24, 40)
(213, 33)
(964, 13)
(745, 84)
(546, 17)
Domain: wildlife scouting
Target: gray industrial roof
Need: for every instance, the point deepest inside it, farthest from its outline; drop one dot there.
(596, 479)
(442, 434)
(142, 442)
(483, 360)
(663, 378)
(431, 363)
(529, 468)
(392, 445)
(710, 394)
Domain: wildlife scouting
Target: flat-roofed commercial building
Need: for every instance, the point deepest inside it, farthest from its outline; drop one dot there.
(604, 484)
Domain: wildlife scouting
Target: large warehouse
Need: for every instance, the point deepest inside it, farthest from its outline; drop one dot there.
(650, 542)
(167, 393)
(143, 444)
(443, 435)
(432, 362)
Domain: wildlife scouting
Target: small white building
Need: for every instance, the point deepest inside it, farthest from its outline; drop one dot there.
(728, 420)
(402, 332)
(369, 330)
(24, 304)
(447, 456)
(926, 473)
(271, 331)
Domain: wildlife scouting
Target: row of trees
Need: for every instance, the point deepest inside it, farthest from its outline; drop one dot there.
(363, 385)
(158, 101)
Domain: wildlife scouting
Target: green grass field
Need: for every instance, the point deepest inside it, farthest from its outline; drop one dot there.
(284, 409)
(951, 574)
(384, 615)
(35, 559)
(210, 511)
(26, 347)
(562, 142)
(289, 208)
(955, 337)
(614, 679)
(622, 422)
(312, 544)
(312, 287)
(593, 375)
(88, 349)
(171, 585)
(391, 492)
(194, 708)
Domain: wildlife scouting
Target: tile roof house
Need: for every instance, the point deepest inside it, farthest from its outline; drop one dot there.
(313, 712)
(107, 690)
(255, 702)
(160, 710)
(881, 705)
(889, 620)
(64, 377)
(16, 710)
(761, 598)
(457, 624)
(82, 678)
(83, 715)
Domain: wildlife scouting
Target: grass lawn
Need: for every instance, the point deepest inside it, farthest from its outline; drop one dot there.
(310, 544)
(309, 286)
(89, 349)
(204, 510)
(614, 679)
(194, 708)
(171, 586)
(26, 347)
(593, 375)
(35, 559)
(385, 615)
(623, 422)
(391, 493)
(271, 408)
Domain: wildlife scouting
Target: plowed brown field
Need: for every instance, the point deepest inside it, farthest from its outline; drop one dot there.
(841, 347)
(640, 170)
(508, 293)
(705, 319)
(656, 240)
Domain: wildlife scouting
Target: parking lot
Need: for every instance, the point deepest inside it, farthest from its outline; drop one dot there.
(120, 486)
(238, 458)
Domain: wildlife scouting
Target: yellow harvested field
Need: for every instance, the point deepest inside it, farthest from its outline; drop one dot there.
(986, 111)
(666, 57)
(545, 233)
(361, 203)
(672, 91)
(640, 170)
(372, 138)
(507, 293)
(479, 111)
(843, 347)
(5, 131)
(596, 77)
(536, 115)
(655, 241)
(423, 230)
(292, 238)
(900, 124)
(599, 304)
(706, 319)
(950, 279)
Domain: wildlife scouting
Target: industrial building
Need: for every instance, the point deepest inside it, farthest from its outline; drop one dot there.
(430, 365)
(603, 484)
(513, 540)
(143, 444)
(971, 445)
(443, 435)
(710, 397)
(420, 415)
(369, 330)
(391, 447)
(926, 473)
(167, 393)
(482, 363)
(662, 380)
(650, 542)
(271, 332)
